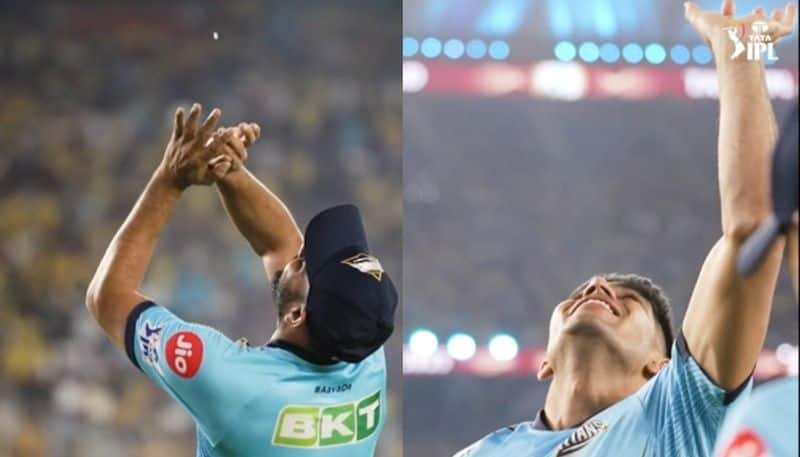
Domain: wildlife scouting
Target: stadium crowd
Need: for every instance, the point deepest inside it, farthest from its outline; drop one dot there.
(89, 90)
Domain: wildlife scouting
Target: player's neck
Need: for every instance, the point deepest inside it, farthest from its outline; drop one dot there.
(295, 336)
(586, 380)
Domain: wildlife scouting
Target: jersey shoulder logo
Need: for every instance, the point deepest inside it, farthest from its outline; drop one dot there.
(320, 427)
(581, 437)
(185, 354)
(746, 443)
(149, 342)
(366, 264)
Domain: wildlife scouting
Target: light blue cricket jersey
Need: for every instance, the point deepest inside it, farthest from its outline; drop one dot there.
(764, 424)
(676, 413)
(259, 401)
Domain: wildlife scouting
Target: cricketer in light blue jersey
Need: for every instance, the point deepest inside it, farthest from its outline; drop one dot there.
(677, 413)
(765, 425)
(319, 386)
(275, 400)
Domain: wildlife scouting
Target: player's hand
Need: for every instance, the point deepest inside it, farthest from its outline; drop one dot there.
(233, 142)
(188, 158)
(715, 27)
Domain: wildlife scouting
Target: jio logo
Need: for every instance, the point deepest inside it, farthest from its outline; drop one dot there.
(185, 354)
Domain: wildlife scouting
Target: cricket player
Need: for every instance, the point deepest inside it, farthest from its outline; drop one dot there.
(320, 383)
(620, 385)
(765, 425)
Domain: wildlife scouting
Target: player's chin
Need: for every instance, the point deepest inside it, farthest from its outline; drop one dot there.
(584, 324)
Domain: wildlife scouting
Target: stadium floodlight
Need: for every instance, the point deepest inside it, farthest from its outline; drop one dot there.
(609, 53)
(476, 49)
(415, 76)
(431, 48)
(589, 52)
(655, 53)
(461, 346)
(423, 342)
(454, 49)
(565, 51)
(410, 47)
(702, 54)
(499, 50)
(786, 353)
(503, 347)
(680, 54)
(632, 53)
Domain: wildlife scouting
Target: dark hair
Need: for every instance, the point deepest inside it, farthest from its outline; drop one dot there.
(659, 302)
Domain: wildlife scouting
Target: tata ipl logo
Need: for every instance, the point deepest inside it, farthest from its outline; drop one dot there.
(758, 42)
(315, 427)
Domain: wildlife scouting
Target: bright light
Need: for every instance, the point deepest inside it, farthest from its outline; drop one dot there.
(560, 80)
(503, 347)
(609, 53)
(565, 51)
(454, 49)
(423, 342)
(499, 50)
(655, 53)
(431, 47)
(476, 49)
(589, 52)
(786, 353)
(461, 346)
(410, 47)
(415, 76)
(701, 54)
(680, 54)
(632, 53)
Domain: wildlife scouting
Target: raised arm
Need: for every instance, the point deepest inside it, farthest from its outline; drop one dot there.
(726, 322)
(259, 214)
(113, 291)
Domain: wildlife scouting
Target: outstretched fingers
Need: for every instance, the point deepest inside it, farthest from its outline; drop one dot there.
(789, 16)
(211, 122)
(692, 13)
(728, 8)
(190, 128)
(178, 128)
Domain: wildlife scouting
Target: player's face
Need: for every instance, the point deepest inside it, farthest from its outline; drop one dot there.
(293, 284)
(610, 311)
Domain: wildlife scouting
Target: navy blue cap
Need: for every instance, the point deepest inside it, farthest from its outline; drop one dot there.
(351, 301)
(784, 199)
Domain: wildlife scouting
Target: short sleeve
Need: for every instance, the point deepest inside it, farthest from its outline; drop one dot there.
(188, 361)
(685, 407)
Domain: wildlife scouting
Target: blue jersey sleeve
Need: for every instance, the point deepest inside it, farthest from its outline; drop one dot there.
(685, 407)
(191, 362)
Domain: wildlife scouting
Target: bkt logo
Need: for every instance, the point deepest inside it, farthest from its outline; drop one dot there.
(318, 427)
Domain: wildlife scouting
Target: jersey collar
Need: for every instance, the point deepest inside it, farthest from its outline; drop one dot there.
(540, 422)
(304, 354)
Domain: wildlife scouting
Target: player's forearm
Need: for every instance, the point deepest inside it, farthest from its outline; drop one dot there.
(112, 292)
(260, 216)
(747, 136)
